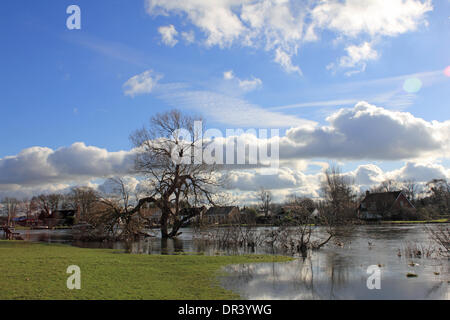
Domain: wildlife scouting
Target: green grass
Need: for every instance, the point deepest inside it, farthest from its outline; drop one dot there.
(21, 228)
(38, 271)
(421, 221)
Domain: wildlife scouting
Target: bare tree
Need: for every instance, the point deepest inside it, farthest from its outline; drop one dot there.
(388, 185)
(441, 236)
(166, 157)
(29, 207)
(265, 198)
(410, 188)
(439, 191)
(338, 193)
(47, 203)
(82, 199)
(112, 212)
(298, 232)
(11, 206)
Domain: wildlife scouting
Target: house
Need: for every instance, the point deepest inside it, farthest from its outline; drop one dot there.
(383, 205)
(219, 215)
(61, 217)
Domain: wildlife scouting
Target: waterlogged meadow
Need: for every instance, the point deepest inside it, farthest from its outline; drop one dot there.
(409, 263)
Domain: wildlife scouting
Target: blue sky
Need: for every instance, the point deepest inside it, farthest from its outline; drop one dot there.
(65, 86)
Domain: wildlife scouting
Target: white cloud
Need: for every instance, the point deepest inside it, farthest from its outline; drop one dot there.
(368, 175)
(38, 165)
(142, 83)
(245, 85)
(285, 61)
(222, 108)
(109, 187)
(188, 36)
(369, 132)
(168, 34)
(352, 18)
(364, 132)
(228, 75)
(357, 57)
(28, 191)
(420, 172)
(215, 18)
(252, 180)
(268, 24)
(282, 26)
(250, 84)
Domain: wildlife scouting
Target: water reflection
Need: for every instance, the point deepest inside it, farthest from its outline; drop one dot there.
(322, 276)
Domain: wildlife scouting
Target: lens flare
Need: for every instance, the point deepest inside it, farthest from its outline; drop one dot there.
(447, 71)
(412, 85)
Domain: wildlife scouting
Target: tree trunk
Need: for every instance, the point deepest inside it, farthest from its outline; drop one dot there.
(164, 224)
(176, 226)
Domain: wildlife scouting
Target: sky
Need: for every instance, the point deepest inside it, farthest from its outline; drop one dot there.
(361, 83)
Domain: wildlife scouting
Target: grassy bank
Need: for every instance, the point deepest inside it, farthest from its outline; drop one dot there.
(38, 271)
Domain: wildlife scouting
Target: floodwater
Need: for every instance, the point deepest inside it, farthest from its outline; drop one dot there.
(333, 272)
(336, 273)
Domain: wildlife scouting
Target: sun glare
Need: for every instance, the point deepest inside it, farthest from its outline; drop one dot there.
(412, 85)
(447, 71)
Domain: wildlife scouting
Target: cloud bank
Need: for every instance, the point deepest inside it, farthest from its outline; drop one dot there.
(362, 133)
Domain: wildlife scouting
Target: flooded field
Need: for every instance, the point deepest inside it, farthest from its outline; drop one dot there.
(333, 272)
(341, 273)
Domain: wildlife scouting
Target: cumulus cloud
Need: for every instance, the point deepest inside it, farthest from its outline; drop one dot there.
(353, 19)
(251, 180)
(168, 35)
(368, 176)
(420, 172)
(375, 18)
(142, 83)
(245, 184)
(282, 26)
(111, 187)
(268, 24)
(368, 132)
(215, 18)
(28, 191)
(39, 165)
